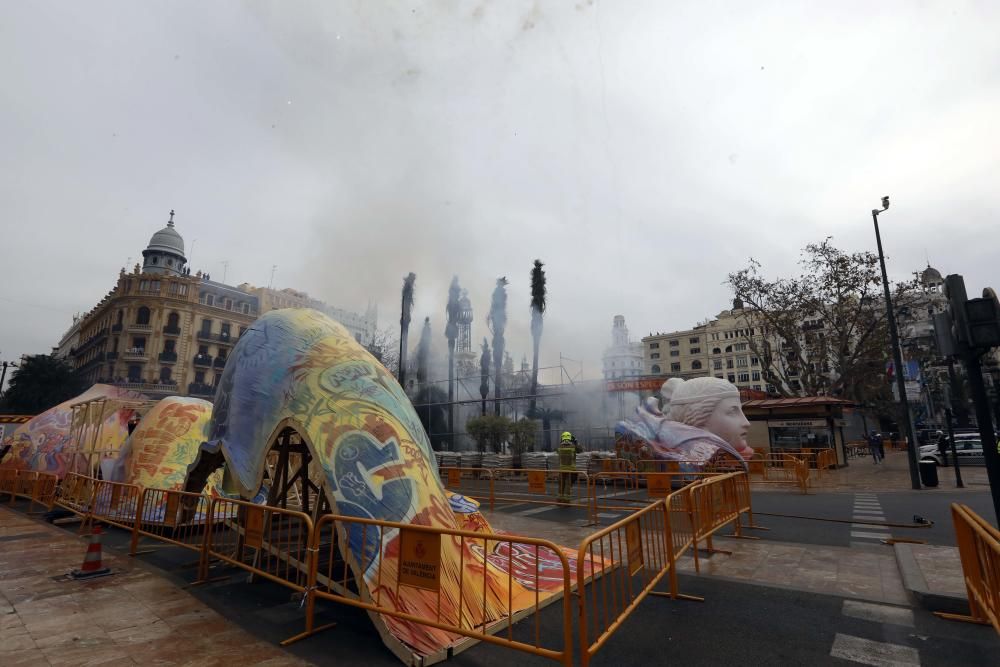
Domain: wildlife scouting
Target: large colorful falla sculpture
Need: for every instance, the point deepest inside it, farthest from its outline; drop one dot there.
(46, 443)
(299, 369)
(701, 421)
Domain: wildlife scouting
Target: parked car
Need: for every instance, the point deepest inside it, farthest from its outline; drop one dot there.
(968, 447)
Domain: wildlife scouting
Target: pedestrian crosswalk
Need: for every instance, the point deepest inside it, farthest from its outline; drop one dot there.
(867, 514)
(870, 652)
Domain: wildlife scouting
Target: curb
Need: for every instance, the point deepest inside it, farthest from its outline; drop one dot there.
(916, 585)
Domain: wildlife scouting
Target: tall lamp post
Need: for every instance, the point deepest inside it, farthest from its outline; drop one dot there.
(911, 449)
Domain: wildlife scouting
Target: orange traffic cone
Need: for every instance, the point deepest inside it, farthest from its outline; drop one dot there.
(92, 561)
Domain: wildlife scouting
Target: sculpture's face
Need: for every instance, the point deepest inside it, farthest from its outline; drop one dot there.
(727, 422)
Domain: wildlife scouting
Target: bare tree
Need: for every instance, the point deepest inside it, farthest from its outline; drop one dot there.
(384, 346)
(823, 332)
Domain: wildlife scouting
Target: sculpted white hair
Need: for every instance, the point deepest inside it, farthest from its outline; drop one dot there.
(692, 402)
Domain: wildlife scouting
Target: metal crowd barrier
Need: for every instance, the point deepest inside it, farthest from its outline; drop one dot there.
(114, 503)
(518, 485)
(76, 494)
(657, 485)
(715, 503)
(8, 482)
(177, 518)
(979, 550)
(330, 580)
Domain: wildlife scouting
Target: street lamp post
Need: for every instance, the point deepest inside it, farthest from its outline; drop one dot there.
(911, 449)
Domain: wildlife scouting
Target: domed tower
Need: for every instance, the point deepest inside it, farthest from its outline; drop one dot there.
(165, 252)
(931, 280)
(619, 332)
(464, 323)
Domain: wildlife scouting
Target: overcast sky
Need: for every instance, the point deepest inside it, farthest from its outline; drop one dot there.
(641, 149)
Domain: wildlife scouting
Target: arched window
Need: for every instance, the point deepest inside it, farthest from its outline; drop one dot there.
(716, 350)
(173, 320)
(656, 368)
(696, 365)
(729, 348)
(165, 375)
(142, 317)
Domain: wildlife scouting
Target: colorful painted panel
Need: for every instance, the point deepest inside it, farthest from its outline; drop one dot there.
(165, 445)
(300, 369)
(46, 443)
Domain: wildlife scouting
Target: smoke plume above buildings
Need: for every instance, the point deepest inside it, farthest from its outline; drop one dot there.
(644, 151)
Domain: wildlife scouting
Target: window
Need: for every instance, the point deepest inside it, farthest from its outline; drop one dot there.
(744, 377)
(675, 353)
(142, 316)
(756, 387)
(756, 376)
(729, 363)
(731, 377)
(654, 346)
(717, 364)
(741, 347)
(694, 340)
(674, 343)
(203, 350)
(729, 348)
(720, 377)
(173, 320)
(696, 365)
(243, 330)
(770, 389)
(741, 362)
(135, 373)
(206, 326)
(675, 367)
(716, 350)
(655, 368)
(121, 316)
(199, 377)
(246, 308)
(168, 345)
(695, 350)
(225, 330)
(209, 299)
(165, 375)
(138, 344)
(655, 355)
(754, 361)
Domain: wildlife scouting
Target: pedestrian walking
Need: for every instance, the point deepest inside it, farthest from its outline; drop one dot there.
(942, 446)
(875, 447)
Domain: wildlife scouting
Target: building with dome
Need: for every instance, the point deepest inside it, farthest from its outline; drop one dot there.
(163, 331)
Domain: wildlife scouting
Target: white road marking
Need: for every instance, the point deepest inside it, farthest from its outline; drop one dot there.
(880, 613)
(868, 652)
(868, 526)
(607, 515)
(869, 536)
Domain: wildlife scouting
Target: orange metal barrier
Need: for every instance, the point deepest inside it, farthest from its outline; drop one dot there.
(24, 484)
(518, 485)
(76, 494)
(8, 482)
(330, 580)
(657, 485)
(266, 541)
(715, 503)
(43, 491)
(979, 549)
(115, 504)
(637, 553)
(175, 517)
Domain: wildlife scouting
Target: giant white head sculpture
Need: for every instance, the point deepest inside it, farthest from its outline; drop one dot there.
(710, 404)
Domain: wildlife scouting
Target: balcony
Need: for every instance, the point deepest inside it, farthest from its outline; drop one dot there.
(168, 357)
(225, 339)
(117, 328)
(90, 342)
(150, 387)
(135, 326)
(205, 335)
(135, 354)
(203, 360)
(98, 358)
(220, 362)
(171, 331)
(200, 389)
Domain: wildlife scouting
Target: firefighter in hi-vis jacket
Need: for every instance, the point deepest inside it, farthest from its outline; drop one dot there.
(568, 449)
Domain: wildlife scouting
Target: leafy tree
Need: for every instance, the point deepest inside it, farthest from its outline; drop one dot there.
(522, 436)
(40, 382)
(489, 431)
(538, 293)
(547, 416)
(823, 332)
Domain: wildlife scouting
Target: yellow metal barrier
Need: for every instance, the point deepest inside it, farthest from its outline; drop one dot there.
(518, 485)
(43, 491)
(330, 579)
(76, 494)
(24, 484)
(627, 487)
(715, 503)
(979, 549)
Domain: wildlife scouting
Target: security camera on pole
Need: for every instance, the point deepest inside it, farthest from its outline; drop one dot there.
(970, 329)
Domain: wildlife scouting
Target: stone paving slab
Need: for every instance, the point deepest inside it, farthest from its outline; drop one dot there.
(133, 617)
(933, 576)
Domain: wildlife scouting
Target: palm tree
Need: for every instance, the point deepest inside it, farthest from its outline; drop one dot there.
(454, 312)
(537, 310)
(484, 373)
(404, 325)
(498, 322)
